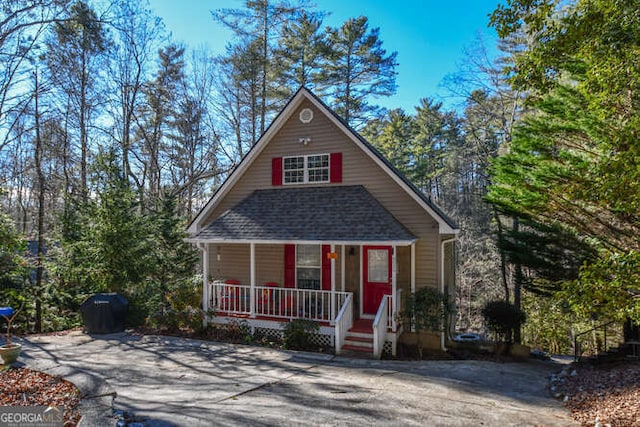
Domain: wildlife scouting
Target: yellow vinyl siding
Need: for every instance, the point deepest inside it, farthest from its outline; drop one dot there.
(269, 264)
(233, 264)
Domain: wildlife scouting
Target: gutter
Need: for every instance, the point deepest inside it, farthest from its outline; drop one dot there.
(442, 334)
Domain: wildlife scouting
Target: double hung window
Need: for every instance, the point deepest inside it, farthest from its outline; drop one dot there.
(306, 169)
(308, 266)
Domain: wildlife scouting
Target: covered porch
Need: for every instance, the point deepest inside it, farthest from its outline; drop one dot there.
(267, 304)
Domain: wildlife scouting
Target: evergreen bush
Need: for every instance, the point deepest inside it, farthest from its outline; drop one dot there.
(502, 319)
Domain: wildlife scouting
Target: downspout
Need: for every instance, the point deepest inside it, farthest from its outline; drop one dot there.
(444, 242)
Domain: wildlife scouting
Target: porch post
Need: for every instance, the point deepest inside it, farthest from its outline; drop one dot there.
(205, 277)
(332, 304)
(342, 267)
(361, 279)
(252, 267)
(394, 287)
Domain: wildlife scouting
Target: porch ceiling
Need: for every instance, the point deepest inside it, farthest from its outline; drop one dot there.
(309, 214)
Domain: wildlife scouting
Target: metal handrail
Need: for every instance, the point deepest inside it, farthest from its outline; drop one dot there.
(576, 345)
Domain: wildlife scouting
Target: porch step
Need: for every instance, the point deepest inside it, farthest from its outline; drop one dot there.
(359, 338)
(358, 343)
(362, 326)
(357, 351)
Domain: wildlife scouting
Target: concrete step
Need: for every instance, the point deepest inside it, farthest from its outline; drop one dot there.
(357, 349)
(358, 338)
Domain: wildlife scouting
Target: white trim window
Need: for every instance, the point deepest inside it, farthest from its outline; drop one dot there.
(308, 266)
(306, 169)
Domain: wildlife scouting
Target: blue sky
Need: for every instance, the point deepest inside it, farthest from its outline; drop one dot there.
(429, 35)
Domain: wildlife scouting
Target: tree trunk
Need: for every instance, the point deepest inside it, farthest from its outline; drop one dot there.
(503, 261)
(41, 203)
(83, 131)
(517, 287)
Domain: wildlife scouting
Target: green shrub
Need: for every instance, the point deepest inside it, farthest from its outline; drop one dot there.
(174, 309)
(425, 310)
(502, 319)
(239, 331)
(298, 334)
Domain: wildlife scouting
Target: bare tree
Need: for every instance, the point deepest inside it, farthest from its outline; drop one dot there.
(137, 37)
(22, 25)
(74, 50)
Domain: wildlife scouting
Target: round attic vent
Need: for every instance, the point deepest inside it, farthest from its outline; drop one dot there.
(306, 115)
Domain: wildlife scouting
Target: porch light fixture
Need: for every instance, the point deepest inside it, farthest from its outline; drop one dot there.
(304, 141)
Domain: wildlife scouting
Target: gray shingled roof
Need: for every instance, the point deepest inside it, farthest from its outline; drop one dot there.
(323, 214)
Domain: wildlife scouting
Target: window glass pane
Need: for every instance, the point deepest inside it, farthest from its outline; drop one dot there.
(378, 268)
(308, 255)
(308, 278)
(319, 175)
(321, 161)
(293, 163)
(294, 176)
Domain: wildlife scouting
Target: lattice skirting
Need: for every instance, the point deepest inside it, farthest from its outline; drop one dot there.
(273, 330)
(387, 348)
(322, 340)
(275, 334)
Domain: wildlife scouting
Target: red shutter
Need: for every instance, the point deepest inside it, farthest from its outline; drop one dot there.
(289, 266)
(326, 268)
(276, 171)
(335, 167)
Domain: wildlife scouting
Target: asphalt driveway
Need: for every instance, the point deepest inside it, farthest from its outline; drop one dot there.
(174, 381)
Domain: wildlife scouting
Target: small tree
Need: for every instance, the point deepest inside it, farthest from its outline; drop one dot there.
(426, 310)
(503, 319)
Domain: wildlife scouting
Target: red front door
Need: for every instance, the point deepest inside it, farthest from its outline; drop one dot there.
(376, 272)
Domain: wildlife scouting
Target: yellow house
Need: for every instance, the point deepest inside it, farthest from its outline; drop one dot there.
(315, 223)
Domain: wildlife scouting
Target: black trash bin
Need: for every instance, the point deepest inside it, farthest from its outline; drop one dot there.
(104, 313)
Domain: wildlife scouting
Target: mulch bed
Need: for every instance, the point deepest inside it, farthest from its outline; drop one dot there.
(607, 394)
(26, 387)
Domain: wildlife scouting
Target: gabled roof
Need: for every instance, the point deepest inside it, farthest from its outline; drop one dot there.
(307, 214)
(446, 224)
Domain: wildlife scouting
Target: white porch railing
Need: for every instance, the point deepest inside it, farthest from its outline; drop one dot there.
(284, 303)
(393, 307)
(385, 322)
(344, 322)
(380, 326)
